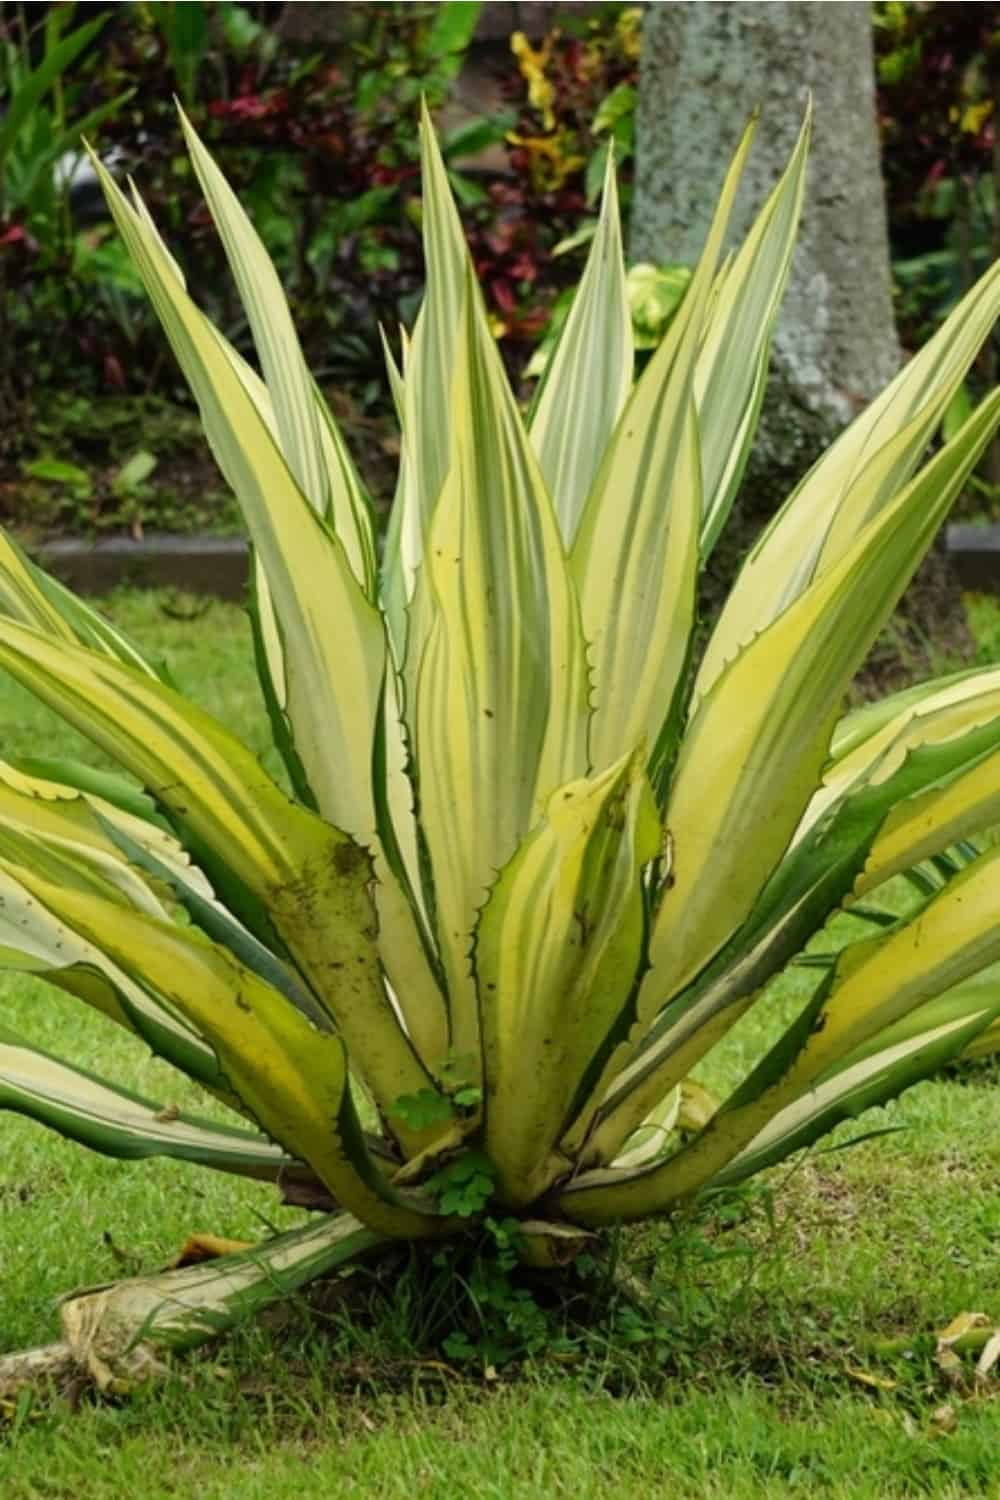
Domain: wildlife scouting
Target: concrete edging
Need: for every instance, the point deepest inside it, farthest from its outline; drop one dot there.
(974, 552)
(220, 565)
(216, 565)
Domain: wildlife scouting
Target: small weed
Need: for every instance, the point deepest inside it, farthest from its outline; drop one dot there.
(465, 1185)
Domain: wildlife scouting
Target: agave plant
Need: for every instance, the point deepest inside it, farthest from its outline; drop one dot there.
(537, 858)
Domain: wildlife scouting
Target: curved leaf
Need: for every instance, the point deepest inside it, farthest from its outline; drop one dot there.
(637, 541)
(731, 372)
(558, 946)
(753, 753)
(426, 392)
(308, 436)
(854, 480)
(587, 380)
(117, 1122)
(311, 880)
(915, 1048)
(817, 872)
(873, 987)
(332, 637)
(115, 1332)
(501, 703)
(292, 1078)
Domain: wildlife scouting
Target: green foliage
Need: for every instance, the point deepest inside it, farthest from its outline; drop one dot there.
(465, 1186)
(119, 463)
(39, 123)
(427, 1107)
(423, 1109)
(581, 86)
(654, 295)
(939, 96)
(55, 471)
(323, 148)
(574, 97)
(502, 1319)
(938, 81)
(185, 31)
(43, 112)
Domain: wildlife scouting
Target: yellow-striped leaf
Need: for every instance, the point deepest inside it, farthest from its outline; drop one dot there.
(875, 986)
(587, 380)
(816, 873)
(322, 641)
(942, 813)
(30, 595)
(941, 816)
(501, 703)
(311, 879)
(426, 393)
(319, 781)
(558, 947)
(732, 367)
(35, 941)
(753, 754)
(322, 644)
(332, 636)
(857, 477)
(117, 1122)
(308, 436)
(931, 1036)
(635, 556)
(867, 719)
(292, 1078)
(930, 713)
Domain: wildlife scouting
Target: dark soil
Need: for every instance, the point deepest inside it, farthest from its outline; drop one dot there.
(927, 634)
(70, 476)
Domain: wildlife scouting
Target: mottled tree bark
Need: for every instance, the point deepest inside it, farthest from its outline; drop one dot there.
(704, 68)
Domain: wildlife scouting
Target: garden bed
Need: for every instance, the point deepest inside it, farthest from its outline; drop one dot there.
(974, 552)
(135, 466)
(216, 565)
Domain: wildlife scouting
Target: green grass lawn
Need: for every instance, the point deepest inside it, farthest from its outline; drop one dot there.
(762, 1371)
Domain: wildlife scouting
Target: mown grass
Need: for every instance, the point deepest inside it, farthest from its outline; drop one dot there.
(790, 1348)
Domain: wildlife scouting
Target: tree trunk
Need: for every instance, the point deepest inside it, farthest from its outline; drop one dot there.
(704, 68)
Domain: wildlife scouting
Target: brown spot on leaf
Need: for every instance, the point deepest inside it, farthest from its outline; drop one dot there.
(348, 858)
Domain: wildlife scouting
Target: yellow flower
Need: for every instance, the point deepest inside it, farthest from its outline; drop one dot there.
(551, 158)
(532, 62)
(628, 27)
(973, 116)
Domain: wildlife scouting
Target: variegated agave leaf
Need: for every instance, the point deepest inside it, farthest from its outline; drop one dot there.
(535, 865)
